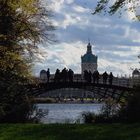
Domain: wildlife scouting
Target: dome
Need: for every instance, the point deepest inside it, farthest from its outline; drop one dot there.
(89, 58)
(43, 75)
(42, 72)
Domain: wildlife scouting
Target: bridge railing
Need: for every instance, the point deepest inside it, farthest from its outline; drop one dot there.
(125, 82)
(118, 81)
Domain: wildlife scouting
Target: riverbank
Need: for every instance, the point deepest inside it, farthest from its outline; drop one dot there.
(65, 101)
(69, 132)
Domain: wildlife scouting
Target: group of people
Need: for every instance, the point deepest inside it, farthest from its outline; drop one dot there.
(95, 76)
(66, 75)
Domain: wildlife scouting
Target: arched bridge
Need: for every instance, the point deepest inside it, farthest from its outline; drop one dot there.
(98, 90)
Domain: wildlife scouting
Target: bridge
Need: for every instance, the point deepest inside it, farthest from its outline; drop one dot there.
(120, 88)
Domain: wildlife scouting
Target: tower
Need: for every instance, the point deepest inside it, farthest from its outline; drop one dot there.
(89, 60)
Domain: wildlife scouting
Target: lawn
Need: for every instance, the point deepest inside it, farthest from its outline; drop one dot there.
(69, 132)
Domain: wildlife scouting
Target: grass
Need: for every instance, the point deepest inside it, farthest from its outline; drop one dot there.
(69, 132)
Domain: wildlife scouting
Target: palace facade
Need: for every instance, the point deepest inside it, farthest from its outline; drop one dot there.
(89, 61)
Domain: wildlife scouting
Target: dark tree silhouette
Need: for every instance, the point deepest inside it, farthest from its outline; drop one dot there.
(23, 24)
(120, 6)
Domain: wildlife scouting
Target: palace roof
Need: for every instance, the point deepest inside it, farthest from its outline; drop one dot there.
(89, 57)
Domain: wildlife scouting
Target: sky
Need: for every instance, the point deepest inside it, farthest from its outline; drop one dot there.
(114, 39)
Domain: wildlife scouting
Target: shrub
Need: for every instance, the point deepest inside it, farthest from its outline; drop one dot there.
(131, 111)
(108, 113)
(89, 117)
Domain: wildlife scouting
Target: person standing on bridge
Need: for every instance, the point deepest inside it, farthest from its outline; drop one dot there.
(70, 75)
(110, 78)
(48, 75)
(89, 76)
(86, 75)
(97, 76)
(94, 76)
(64, 74)
(105, 76)
(57, 76)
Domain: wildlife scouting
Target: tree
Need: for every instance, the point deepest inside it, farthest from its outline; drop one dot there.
(23, 25)
(130, 111)
(108, 7)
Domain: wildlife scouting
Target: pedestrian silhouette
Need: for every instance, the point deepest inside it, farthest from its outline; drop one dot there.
(110, 78)
(48, 75)
(89, 76)
(64, 75)
(57, 76)
(70, 75)
(105, 76)
(86, 75)
(94, 76)
(97, 76)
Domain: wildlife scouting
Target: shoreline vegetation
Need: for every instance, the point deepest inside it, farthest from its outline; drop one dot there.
(65, 101)
(70, 131)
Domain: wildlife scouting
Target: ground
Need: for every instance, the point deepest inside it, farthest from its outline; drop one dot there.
(69, 132)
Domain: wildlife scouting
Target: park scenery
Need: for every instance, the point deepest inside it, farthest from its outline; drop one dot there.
(69, 70)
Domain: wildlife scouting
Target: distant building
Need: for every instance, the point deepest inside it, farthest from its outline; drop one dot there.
(89, 60)
(136, 77)
(136, 73)
(43, 75)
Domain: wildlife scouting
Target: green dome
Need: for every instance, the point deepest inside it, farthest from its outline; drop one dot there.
(89, 58)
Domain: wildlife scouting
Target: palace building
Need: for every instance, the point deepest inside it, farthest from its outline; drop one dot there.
(89, 60)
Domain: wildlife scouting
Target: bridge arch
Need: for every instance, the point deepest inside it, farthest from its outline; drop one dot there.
(99, 90)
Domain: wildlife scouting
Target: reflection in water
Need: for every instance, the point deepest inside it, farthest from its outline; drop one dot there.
(67, 113)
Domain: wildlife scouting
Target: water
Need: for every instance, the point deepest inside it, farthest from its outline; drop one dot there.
(66, 113)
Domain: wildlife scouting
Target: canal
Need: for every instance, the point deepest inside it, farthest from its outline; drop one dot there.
(66, 113)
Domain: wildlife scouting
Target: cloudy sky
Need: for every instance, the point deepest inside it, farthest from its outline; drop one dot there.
(116, 41)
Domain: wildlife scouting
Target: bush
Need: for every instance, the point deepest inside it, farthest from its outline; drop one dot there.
(15, 105)
(108, 113)
(130, 112)
(89, 117)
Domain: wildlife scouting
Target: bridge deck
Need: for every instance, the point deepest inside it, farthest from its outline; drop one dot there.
(102, 90)
(54, 85)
